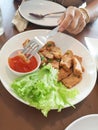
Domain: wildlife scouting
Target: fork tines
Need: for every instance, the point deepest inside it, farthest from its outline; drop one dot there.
(30, 49)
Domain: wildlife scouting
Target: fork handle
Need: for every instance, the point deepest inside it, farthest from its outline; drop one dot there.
(52, 32)
(54, 13)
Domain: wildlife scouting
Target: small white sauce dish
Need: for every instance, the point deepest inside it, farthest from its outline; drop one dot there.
(15, 53)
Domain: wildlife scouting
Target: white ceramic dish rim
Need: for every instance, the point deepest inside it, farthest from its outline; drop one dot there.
(81, 119)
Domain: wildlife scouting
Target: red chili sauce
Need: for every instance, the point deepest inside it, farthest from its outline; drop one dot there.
(18, 64)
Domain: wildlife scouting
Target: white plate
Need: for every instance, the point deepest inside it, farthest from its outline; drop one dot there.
(41, 7)
(92, 45)
(63, 41)
(88, 122)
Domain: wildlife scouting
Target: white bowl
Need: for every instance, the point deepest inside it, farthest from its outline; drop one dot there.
(88, 122)
(36, 55)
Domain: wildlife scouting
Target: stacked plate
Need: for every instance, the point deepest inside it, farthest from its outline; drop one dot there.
(88, 122)
(41, 7)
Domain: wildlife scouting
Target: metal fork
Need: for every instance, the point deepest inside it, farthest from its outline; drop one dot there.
(38, 42)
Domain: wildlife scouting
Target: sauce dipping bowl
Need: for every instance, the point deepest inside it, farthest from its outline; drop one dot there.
(30, 67)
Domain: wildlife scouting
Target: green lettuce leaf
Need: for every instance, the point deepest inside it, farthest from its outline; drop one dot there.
(42, 90)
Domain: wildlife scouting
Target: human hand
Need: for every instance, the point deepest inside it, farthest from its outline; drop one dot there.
(73, 20)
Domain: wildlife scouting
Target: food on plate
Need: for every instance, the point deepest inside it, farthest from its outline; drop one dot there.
(19, 63)
(43, 91)
(68, 64)
(48, 87)
(25, 42)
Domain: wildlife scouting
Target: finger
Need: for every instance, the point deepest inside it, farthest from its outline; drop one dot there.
(78, 29)
(74, 29)
(80, 26)
(61, 18)
(67, 19)
(76, 19)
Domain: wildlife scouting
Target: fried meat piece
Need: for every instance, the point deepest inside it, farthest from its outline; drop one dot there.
(55, 64)
(23, 57)
(47, 54)
(77, 68)
(25, 42)
(80, 60)
(63, 73)
(47, 46)
(56, 51)
(71, 80)
(66, 60)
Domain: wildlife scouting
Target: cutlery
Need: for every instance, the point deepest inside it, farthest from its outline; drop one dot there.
(40, 16)
(38, 41)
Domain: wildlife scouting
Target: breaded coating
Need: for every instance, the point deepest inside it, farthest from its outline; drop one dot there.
(71, 80)
(66, 60)
(63, 73)
(77, 68)
(55, 64)
(56, 51)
